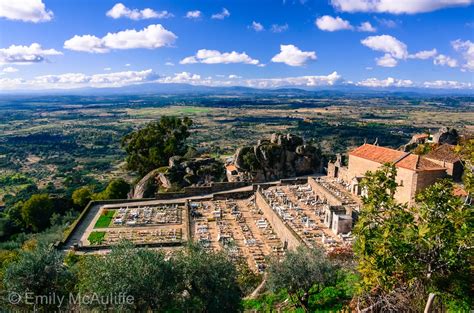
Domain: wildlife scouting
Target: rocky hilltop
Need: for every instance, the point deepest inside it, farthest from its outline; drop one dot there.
(180, 173)
(281, 156)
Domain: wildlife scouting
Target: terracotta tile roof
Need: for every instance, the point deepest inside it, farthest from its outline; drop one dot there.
(376, 153)
(443, 153)
(400, 159)
(418, 163)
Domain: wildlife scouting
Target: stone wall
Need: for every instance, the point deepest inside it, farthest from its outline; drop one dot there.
(284, 232)
(321, 191)
(201, 190)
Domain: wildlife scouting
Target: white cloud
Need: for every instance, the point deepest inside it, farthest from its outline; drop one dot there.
(386, 61)
(466, 48)
(447, 84)
(220, 16)
(308, 81)
(330, 24)
(10, 70)
(382, 83)
(279, 28)
(257, 26)
(216, 57)
(33, 53)
(182, 78)
(233, 76)
(386, 22)
(293, 56)
(424, 55)
(25, 10)
(445, 60)
(151, 37)
(387, 44)
(80, 80)
(193, 14)
(128, 65)
(119, 10)
(396, 6)
(108, 69)
(169, 64)
(366, 27)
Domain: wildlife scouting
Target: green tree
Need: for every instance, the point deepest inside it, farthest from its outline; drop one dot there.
(38, 272)
(151, 147)
(209, 281)
(405, 253)
(466, 151)
(116, 189)
(143, 274)
(36, 212)
(444, 241)
(82, 196)
(303, 273)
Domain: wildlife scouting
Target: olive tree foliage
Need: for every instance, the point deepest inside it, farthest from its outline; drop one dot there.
(150, 147)
(403, 252)
(142, 274)
(38, 272)
(210, 281)
(303, 273)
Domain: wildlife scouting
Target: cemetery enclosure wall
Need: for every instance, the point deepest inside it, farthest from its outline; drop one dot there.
(284, 232)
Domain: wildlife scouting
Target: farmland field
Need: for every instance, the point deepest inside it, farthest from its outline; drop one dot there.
(63, 142)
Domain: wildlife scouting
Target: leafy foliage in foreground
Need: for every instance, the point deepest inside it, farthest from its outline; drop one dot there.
(193, 280)
(399, 248)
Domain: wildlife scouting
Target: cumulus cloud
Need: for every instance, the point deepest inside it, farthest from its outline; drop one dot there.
(119, 11)
(193, 14)
(279, 28)
(308, 81)
(366, 27)
(293, 56)
(396, 7)
(10, 70)
(25, 10)
(182, 78)
(423, 55)
(387, 44)
(447, 84)
(257, 26)
(216, 57)
(80, 80)
(169, 64)
(386, 61)
(222, 15)
(33, 53)
(331, 24)
(466, 48)
(151, 37)
(445, 60)
(383, 83)
(233, 76)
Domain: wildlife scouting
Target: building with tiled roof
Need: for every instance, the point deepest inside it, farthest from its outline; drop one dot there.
(414, 172)
(445, 156)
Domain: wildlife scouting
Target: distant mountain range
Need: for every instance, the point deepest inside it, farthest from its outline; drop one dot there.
(180, 89)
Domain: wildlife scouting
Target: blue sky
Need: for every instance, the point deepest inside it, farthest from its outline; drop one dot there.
(383, 43)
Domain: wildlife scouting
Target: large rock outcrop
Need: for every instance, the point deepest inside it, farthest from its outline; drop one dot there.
(180, 173)
(280, 157)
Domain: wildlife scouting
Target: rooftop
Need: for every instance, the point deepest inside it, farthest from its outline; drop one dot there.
(399, 158)
(443, 153)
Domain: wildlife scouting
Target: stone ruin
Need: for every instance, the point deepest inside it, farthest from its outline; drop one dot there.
(281, 156)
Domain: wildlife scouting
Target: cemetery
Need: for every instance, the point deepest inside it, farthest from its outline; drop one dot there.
(313, 211)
